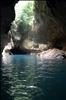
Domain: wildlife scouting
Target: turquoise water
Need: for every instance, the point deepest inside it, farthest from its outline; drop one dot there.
(28, 78)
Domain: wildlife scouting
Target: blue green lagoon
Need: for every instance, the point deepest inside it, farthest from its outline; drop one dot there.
(26, 77)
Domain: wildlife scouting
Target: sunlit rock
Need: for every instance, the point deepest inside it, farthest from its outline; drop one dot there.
(43, 46)
(52, 54)
(6, 54)
(6, 49)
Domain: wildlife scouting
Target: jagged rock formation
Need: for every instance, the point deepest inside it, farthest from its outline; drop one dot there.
(50, 22)
(52, 54)
(7, 16)
(50, 17)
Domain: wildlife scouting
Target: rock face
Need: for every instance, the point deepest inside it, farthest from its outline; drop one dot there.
(50, 21)
(52, 54)
(58, 9)
(7, 16)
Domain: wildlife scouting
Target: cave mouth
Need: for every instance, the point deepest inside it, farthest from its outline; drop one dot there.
(21, 27)
(20, 6)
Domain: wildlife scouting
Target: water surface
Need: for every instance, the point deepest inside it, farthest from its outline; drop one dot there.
(26, 77)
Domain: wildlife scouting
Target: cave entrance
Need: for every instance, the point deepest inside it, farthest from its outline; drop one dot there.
(21, 27)
(24, 8)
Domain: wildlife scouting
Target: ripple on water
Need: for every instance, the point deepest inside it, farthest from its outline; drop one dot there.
(29, 78)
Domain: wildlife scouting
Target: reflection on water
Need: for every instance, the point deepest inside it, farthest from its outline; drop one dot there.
(25, 77)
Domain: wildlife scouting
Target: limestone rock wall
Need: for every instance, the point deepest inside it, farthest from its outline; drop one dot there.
(7, 16)
(50, 22)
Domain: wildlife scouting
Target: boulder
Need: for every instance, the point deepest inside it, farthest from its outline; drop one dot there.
(43, 47)
(52, 54)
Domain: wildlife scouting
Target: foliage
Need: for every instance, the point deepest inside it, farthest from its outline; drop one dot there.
(27, 13)
(22, 25)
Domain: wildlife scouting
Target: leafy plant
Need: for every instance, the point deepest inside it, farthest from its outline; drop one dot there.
(23, 24)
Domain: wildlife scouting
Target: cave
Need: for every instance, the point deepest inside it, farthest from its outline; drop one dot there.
(54, 12)
(54, 9)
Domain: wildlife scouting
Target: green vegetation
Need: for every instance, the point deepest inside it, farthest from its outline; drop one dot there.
(22, 25)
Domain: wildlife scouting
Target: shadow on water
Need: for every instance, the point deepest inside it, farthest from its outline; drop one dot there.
(28, 78)
(4, 87)
(5, 96)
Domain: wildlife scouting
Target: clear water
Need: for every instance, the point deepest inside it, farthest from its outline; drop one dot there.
(25, 77)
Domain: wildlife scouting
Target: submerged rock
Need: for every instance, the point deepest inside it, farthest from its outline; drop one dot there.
(52, 54)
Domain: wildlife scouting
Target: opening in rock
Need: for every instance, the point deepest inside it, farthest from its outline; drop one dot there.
(21, 27)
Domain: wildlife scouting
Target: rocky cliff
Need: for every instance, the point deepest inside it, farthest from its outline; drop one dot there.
(50, 21)
(7, 16)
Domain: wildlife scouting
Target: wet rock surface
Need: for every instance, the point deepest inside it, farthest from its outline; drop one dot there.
(52, 54)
